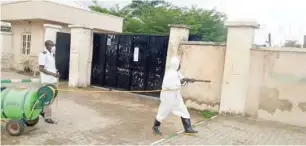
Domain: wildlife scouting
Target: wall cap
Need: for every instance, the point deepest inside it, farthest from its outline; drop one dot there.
(8, 33)
(251, 24)
(78, 26)
(53, 26)
(280, 49)
(179, 26)
(203, 43)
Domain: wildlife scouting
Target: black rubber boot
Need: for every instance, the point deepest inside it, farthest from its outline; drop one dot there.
(187, 126)
(42, 114)
(155, 128)
(2, 88)
(50, 121)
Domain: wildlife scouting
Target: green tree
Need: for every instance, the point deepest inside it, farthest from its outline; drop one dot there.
(208, 23)
(292, 43)
(156, 20)
(155, 16)
(137, 7)
(97, 8)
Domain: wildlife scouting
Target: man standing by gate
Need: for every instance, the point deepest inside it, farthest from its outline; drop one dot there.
(48, 74)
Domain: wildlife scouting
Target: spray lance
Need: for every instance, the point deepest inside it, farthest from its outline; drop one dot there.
(185, 81)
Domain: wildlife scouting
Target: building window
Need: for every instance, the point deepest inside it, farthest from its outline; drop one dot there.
(26, 44)
(5, 28)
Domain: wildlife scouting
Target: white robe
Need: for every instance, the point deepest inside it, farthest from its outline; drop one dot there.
(172, 101)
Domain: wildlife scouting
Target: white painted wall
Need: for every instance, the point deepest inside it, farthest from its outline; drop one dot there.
(37, 30)
(80, 56)
(240, 39)
(178, 33)
(277, 85)
(6, 50)
(203, 61)
(37, 37)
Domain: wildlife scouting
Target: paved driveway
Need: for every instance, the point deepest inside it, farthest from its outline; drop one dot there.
(13, 75)
(97, 118)
(229, 130)
(118, 118)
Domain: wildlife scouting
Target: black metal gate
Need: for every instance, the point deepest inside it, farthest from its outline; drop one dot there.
(129, 62)
(62, 54)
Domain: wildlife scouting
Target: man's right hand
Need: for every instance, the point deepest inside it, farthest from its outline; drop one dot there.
(56, 75)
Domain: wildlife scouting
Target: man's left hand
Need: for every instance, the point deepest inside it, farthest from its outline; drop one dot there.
(58, 74)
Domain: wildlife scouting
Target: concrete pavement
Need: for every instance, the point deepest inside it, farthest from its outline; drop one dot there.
(13, 75)
(232, 130)
(96, 118)
(118, 118)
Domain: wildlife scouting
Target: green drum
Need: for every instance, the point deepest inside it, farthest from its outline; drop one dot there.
(18, 104)
(24, 106)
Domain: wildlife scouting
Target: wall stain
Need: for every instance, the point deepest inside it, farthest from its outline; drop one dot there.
(270, 102)
(287, 77)
(302, 106)
(269, 59)
(303, 80)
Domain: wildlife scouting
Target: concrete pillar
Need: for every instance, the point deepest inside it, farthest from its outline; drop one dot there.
(178, 33)
(240, 39)
(50, 32)
(80, 56)
(304, 42)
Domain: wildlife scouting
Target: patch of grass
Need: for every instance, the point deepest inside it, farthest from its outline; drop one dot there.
(208, 114)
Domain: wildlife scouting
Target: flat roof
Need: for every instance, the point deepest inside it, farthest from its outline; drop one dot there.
(53, 11)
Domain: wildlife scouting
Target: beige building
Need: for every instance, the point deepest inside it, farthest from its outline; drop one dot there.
(30, 20)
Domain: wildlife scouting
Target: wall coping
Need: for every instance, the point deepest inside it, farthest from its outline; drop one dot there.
(53, 26)
(54, 2)
(179, 26)
(287, 49)
(202, 43)
(251, 24)
(8, 33)
(78, 26)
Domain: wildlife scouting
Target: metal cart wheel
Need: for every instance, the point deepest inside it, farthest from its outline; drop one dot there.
(32, 122)
(15, 127)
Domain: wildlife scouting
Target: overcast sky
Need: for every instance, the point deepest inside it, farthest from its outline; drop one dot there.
(285, 19)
